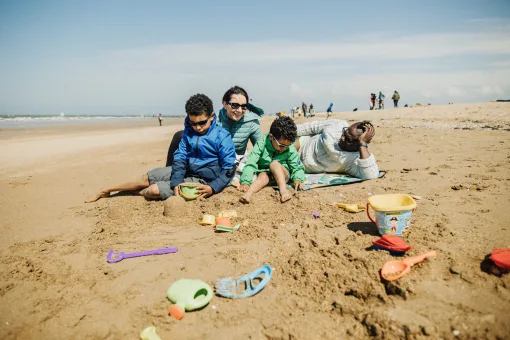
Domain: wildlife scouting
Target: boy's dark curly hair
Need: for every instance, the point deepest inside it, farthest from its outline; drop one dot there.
(199, 104)
(235, 90)
(284, 128)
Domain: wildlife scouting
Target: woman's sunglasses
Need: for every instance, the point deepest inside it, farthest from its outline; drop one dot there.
(280, 145)
(235, 106)
(201, 123)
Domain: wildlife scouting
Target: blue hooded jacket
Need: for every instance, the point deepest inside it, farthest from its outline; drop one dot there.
(210, 157)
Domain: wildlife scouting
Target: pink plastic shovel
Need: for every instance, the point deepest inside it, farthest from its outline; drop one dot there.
(394, 270)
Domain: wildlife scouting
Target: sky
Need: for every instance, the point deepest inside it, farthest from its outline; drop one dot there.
(145, 57)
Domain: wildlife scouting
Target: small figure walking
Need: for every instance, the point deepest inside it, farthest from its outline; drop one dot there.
(160, 119)
(396, 98)
(372, 101)
(381, 100)
(330, 110)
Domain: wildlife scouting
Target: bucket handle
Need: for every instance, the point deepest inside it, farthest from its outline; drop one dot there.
(368, 214)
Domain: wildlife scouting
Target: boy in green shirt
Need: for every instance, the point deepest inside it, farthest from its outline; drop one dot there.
(276, 161)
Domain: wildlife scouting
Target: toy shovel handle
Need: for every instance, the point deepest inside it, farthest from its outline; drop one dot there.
(113, 257)
(199, 303)
(164, 251)
(368, 214)
(266, 270)
(411, 261)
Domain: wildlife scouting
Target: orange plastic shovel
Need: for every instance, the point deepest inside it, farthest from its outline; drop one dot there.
(394, 270)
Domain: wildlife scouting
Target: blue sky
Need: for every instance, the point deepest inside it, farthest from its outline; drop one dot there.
(134, 57)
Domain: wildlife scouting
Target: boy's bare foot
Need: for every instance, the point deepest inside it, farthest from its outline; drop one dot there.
(245, 199)
(285, 196)
(97, 196)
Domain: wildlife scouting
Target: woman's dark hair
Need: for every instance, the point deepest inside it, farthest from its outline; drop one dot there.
(284, 128)
(235, 90)
(199, 104)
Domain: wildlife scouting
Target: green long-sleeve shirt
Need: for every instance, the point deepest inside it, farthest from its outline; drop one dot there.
(264, 153)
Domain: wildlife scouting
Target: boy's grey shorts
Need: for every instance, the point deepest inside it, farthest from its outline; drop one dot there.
(161, 177)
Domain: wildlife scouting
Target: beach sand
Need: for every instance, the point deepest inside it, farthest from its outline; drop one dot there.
(55, 282)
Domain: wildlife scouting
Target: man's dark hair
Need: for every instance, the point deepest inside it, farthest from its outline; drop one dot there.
(199, 104)
(284, 128)
(235, 90)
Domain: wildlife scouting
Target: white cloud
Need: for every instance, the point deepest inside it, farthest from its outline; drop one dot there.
(388, 47)
(494, 90)
(456, 91)
(278, 74)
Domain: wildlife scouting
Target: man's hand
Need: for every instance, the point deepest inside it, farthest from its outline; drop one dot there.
(176, 190)
(205, 191)
(298, 185)
(368, 133)
(243, 187)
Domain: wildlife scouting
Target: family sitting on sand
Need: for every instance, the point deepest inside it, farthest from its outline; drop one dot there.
(212, 151)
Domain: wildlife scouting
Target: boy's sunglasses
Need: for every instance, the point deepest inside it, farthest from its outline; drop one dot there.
(280, 145)
(201, 123)
(235, 106)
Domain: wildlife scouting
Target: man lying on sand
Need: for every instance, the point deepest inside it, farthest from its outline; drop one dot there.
(334, 146)
(206, 154)
(276, 161)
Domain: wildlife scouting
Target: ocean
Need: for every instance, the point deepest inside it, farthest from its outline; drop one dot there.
(35, 121)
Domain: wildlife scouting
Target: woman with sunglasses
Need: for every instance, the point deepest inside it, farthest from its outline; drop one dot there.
(239, 117)
(334, 146)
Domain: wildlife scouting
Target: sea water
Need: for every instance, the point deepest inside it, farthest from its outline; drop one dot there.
(35, 121)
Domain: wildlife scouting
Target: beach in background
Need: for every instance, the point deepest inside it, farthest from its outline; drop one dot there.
(55, 281)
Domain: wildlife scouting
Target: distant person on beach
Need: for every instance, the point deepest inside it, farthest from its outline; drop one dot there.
(330, 110)
(160, 119)
(206, 155)
(396, 98)
(334, 146)
(372, 101)
(305, 108)
(239, 117)
(275, 160)
(312, 110)
(381, 100)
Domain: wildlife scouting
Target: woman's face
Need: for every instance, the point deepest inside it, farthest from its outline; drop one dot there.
(239, 102)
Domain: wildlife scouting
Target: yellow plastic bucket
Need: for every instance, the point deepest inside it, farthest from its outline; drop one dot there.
(392, 212)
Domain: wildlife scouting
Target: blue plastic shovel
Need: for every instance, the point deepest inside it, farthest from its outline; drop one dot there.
(243, 286)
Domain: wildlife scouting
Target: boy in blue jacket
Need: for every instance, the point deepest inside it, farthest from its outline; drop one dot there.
(206, 155)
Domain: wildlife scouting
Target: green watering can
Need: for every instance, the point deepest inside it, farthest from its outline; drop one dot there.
(188, 295)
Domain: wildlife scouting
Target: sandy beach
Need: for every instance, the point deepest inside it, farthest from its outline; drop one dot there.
(55, 282)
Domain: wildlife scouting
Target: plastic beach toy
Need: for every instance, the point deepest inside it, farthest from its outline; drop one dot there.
(188, 295)
(189, 191)
(113, 257)
(149, 333)
(208, 220)
(392, 212)
(394, 270)
(227, 213)
(501, 258)
(243, 286)
(228, 229)
(223, 221)
(394, 244)
(354, 208)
